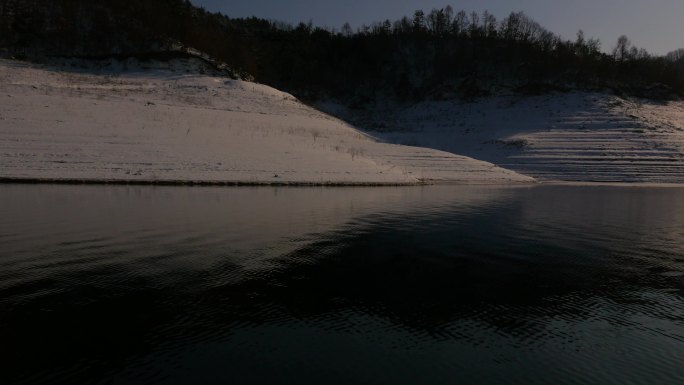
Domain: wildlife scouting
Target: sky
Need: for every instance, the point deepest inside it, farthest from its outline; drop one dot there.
(656, 25)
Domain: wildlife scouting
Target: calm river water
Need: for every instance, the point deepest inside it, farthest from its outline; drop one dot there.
(425, 285)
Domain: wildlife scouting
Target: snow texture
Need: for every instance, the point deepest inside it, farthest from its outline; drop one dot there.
(573, 137)
(161, 124)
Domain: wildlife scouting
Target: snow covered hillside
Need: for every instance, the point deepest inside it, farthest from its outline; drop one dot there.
(166, 125)
(578, 137)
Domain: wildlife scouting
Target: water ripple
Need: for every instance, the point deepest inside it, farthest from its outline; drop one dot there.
(564, 285)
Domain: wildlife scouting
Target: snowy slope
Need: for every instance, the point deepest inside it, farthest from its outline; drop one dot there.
(161, 125)
(579, 137)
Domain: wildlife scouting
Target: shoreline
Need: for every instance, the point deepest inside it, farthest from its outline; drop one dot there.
(610, 184)
(209, 183)
(199, 183)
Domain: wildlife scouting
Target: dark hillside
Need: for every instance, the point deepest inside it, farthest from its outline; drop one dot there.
(429, 55)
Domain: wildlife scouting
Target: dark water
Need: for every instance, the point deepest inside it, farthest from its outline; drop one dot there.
(435, 285)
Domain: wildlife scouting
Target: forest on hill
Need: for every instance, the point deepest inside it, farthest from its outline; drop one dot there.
(435, 54)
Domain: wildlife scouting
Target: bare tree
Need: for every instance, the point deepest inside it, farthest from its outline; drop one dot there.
(675, 56)
(438, 22)
(419, 21)
(580, 38)
(510, 26)
(403, 26)
(474, 25)
(449, 15)
(387, 27)
(594, 46)
(488, 24)
(621, 51)
(347, 30)
(459, 23)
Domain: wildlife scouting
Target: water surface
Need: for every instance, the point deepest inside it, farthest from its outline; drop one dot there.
(429, 285)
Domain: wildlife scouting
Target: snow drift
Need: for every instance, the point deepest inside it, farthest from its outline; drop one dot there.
(573, 136)
(163, 124)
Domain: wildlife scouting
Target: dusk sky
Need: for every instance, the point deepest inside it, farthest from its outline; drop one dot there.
(655, 25)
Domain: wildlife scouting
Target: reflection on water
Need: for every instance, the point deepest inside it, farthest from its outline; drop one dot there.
(438, 285)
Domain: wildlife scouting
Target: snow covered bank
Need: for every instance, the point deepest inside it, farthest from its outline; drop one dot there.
(579, 137)
(168, 126)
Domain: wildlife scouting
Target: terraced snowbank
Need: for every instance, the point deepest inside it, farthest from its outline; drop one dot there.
(577, 137)
(163, 125)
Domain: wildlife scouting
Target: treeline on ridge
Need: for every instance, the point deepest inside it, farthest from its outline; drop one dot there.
(434, 54)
